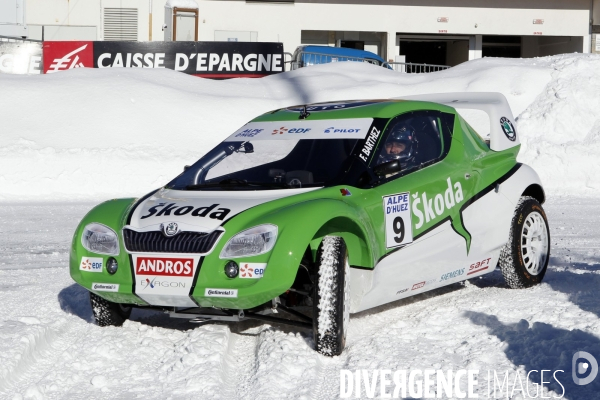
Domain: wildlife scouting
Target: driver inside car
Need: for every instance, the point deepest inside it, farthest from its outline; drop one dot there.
(400, 145)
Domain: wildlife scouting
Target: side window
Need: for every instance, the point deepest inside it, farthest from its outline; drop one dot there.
(416, 139)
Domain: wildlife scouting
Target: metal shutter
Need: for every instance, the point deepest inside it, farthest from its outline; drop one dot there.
(121, 24)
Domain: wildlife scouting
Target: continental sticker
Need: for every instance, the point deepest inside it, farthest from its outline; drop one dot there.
(209, 292)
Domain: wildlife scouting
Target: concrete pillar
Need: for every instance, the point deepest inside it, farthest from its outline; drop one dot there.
(391, 48)
(587, 44)
(475, 44)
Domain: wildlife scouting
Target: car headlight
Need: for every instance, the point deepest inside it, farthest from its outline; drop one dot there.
(251, 242)
(100, 239)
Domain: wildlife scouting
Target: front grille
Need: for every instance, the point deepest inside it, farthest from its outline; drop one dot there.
(156, 242)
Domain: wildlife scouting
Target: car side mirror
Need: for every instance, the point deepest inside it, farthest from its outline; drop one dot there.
(387, 168)
(186, 167)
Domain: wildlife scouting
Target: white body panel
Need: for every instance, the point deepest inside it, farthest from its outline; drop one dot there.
(147, 215)
(440, 257)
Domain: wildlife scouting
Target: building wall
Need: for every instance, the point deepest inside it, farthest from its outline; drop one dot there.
(282, 22)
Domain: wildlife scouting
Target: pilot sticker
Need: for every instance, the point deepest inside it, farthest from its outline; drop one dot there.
(398, 224)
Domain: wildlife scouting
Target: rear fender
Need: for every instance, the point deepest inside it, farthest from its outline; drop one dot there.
(524, 182)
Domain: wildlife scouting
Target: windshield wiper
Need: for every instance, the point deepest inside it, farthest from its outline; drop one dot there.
(232, 182)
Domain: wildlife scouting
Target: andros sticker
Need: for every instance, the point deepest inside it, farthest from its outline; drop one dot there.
(164, 266)
(252, 270)
(210, 292)
(91, 264)
(105, 287)
(398, 224)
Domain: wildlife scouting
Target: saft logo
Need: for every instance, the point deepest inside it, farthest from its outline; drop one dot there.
(91, 264)
(252, 270)
(164, 266)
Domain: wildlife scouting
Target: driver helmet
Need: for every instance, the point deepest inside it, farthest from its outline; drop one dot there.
(400, 145)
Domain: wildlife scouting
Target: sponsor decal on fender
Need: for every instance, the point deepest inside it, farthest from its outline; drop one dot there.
(91, 264)
(451, 275)
(479, 266)
(105, 287)
(210, 292)
(164, 209)
(401, 291)
(429, 208)
(418, 285)
(164, 266)
(252, 270)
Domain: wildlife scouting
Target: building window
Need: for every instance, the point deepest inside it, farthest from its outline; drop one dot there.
(121, 24)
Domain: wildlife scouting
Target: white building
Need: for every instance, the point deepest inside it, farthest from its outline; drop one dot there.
(435, 32)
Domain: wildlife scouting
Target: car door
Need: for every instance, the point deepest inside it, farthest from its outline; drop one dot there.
(423, 242)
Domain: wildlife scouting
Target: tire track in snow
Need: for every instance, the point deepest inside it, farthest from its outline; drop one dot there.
(40, 355)
(240, 364)
(327, 385)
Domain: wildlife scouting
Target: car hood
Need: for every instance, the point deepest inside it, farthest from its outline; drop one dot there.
(199, 211)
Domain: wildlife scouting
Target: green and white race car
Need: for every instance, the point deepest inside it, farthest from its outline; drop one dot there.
(307, 214)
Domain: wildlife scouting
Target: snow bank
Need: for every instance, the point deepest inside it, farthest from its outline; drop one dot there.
(99, 133)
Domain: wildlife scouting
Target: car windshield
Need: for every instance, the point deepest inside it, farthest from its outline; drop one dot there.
(271, 156)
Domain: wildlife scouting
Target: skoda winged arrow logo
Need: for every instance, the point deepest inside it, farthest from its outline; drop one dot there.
(170, 229)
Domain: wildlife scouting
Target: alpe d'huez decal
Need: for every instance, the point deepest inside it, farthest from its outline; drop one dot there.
(508, 129)
(164, 209)
(431, 207)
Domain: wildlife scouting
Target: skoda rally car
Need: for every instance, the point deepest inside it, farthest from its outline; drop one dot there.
(307, 214)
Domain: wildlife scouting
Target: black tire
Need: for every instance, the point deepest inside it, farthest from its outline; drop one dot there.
(331, 297)
(108, 313)
(524, 258)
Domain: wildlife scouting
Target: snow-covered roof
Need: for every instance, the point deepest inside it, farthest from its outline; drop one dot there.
(181, 4)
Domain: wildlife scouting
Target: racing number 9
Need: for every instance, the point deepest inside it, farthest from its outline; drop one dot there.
(398, 226)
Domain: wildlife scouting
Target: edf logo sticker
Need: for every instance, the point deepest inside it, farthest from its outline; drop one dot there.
(398, 224)
(91, 264)
(252, 270)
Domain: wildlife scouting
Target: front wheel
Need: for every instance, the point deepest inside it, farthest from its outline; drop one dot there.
(524, 259)
(108, 313)
(331, 298)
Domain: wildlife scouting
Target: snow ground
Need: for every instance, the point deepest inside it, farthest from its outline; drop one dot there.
(86, 135)
(51, 348)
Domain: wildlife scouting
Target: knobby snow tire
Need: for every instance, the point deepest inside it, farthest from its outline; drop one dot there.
(524, 259)
(331, 302)
(108, 313)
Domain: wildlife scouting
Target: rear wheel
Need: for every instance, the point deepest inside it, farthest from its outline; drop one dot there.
(524, 259)
(108, 313)
(331, 305)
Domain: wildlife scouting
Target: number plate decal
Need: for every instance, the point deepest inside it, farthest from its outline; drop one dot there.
(398, 224)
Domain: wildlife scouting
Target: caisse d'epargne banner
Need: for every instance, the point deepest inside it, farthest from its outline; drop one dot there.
(204, 59)
(20, 58)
